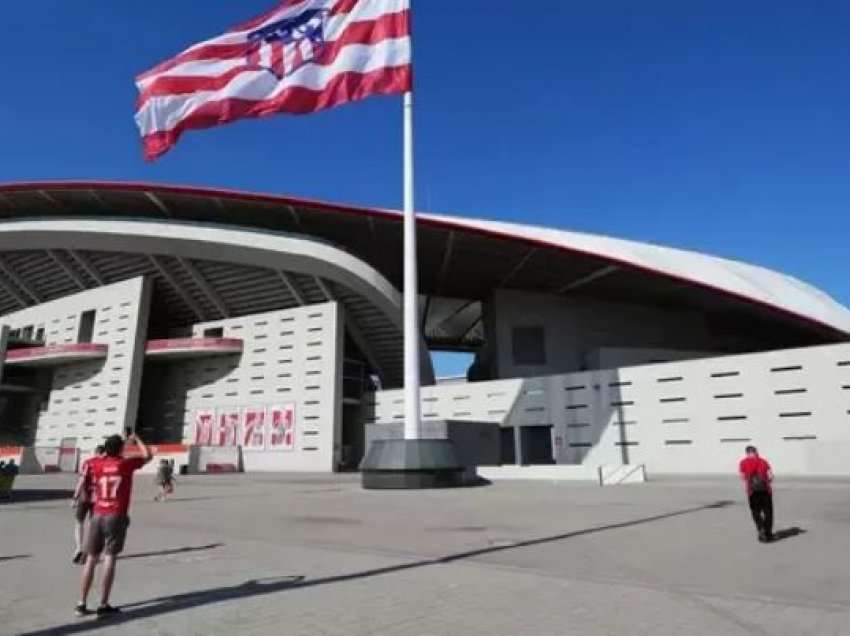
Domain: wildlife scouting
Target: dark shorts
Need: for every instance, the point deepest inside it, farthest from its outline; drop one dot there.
(106, 534)
(82, 510)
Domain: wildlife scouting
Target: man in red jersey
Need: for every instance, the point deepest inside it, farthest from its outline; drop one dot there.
(82, 503)
(112, 476)
(757, 476)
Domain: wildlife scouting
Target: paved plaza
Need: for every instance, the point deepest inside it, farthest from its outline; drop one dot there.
(314, 555)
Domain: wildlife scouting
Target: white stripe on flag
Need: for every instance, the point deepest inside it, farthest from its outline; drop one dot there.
(306, 49)
(265, 56)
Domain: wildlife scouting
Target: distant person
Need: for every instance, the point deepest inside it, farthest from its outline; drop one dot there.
(12, 469)
(757, 476)
(164, 480)
(6, 481)
(82, 503)
(112, 476)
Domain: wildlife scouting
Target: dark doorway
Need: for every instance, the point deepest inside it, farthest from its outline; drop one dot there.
(24, 394)
(537, 445)
(86, 331)
(353, 437)
(508, 452)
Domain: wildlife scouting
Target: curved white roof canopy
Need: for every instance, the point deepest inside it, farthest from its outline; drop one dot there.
(374, 236)
(747, 281)
(259, 249)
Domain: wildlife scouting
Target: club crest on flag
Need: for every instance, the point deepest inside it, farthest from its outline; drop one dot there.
(285, 46)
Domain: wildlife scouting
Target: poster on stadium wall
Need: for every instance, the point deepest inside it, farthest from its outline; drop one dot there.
(282, 427)
(227, 431)
(254, 428)
(204, 419)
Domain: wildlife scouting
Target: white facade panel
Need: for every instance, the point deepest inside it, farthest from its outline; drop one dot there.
(93, 399)
(289, 357)
(679, 417)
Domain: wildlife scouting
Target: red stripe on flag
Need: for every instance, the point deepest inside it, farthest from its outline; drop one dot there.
(395, 25)
(344, 6)
(344, 88)
(210, 52)
(253, 59)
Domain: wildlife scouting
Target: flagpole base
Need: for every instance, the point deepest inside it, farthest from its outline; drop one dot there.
(412, 464)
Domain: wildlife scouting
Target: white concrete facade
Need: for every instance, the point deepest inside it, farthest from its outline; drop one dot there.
(231, 256)
(679, 417)
(291, 358)
(90, 400)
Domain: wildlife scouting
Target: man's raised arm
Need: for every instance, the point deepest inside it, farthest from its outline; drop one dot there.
(146, 452)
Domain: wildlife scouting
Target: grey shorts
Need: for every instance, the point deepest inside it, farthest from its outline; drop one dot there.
(82, 510)
(106, 534)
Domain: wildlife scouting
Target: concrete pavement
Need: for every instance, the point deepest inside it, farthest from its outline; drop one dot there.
(269, 554)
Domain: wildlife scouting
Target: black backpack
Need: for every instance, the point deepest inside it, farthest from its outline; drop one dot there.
(758, 483)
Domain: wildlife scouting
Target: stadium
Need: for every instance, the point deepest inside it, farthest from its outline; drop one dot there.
(211, 320)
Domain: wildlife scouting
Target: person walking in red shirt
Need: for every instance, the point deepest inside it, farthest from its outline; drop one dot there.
(757, 476)
(112, 482)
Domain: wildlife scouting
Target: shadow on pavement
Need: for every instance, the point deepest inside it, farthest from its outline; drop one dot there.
(787, 533)
(144, 555)
(181, 499)
(25, 496)
(261, 587)
(14, 557)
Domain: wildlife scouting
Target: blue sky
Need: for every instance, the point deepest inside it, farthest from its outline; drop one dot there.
(714, 125)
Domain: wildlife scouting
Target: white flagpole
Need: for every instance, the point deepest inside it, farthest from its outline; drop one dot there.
(411, 285)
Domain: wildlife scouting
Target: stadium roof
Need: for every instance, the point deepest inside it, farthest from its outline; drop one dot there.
(462, 260)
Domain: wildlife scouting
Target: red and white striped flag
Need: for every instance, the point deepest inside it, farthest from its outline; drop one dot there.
(301, 57)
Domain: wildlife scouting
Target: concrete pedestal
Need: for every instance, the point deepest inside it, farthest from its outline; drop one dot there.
(412, 464)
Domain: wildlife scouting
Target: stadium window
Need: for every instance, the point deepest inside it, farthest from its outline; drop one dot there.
(39, 335)
(214, 332)
(529, 346)
(86, 326)
(28, 330)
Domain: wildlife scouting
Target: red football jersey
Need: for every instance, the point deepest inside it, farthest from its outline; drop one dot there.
(113, 483)
(750, 466)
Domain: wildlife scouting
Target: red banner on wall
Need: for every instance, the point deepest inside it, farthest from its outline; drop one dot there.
(282, 427)
(227, 431)
(204, 419)
(254, 428)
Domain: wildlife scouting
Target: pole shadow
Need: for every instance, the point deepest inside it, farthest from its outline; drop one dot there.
(159, 553)
(182, 499)
(261, 587)
(15, 557)
(26, 496)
